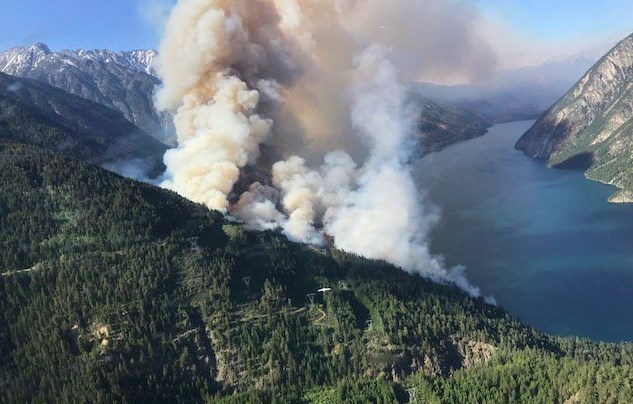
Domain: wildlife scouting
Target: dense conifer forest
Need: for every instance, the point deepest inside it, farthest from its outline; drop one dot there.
(113, 290)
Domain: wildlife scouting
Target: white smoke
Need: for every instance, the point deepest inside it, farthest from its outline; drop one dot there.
(135, 168)
(258, 207)
(15, 86)
(213, 52)
(310, 195)
(307, 78)
(216, 138)
(385, 218)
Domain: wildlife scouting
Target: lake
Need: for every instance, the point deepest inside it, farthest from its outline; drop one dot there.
(545, 243)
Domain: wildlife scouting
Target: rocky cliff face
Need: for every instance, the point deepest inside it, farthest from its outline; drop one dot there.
(41, 115)
(124, 81)
(591, 127)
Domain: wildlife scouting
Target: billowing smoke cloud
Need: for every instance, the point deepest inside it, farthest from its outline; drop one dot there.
(215, 56)
(432, 40)
(315, 79)
(384, 218)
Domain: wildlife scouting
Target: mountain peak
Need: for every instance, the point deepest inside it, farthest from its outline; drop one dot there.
(99, 75)
(41, 47)
(16, 61)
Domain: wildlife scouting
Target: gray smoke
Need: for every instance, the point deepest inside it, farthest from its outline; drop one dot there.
(134, 168)
(432, 40)
(321, 80)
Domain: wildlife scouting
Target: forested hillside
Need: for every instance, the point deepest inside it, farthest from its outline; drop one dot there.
(124, 81)
(105, 296)
(443, 126)
(38, 114)
(591, 127)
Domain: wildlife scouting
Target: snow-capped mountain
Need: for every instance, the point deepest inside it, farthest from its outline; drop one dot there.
(125, 81)
(139, 60)
(21, 60)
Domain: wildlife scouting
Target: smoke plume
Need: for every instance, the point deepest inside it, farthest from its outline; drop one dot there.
(320, 81)
(432, 40)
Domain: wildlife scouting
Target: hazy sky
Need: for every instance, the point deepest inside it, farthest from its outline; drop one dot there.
(523, 31)
(563, 20)
(530, 31)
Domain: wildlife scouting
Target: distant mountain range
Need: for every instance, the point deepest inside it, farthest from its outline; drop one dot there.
(113, 290)
(124, 81)
(591, 127)
(127, 81)
(41, 115)
(518, 94)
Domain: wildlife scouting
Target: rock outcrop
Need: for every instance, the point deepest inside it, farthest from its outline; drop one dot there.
(37, 114)
(124, 81)
(591, 127)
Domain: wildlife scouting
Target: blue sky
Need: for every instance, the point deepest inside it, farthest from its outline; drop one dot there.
(546, 26)
(529, 32)
(563, 20)
(70, 24)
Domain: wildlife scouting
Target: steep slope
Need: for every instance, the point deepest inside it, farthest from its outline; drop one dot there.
(35, 113)
(591, 127)
(442, 126)
(104, 297)
(124, 81)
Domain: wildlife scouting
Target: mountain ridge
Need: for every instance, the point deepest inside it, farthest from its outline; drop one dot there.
(591, 127)
(35, 113)
(19, 59)
(516, 94)
(442, 126)
(105, 296)
(125, 81)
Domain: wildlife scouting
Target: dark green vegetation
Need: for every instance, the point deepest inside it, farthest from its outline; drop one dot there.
(103, 299)
(443, 126)
(124, 81)
(591, 127)
(38, 114)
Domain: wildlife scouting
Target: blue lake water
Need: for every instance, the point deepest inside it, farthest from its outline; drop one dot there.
(545, 243)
